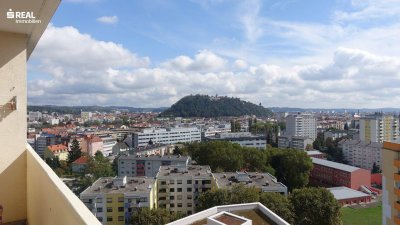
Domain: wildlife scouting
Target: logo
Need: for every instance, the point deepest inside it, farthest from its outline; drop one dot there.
(22, 16)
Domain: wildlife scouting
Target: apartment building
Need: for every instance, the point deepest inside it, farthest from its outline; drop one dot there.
(361, 154)
(165, 136)
(245, 139)
(335, 134)
(113, 199)
(379, 128)
(108, 143)
(391, 183)
(180, 186)
(59, 151)
(331, 174)
(34, 116)
(303, 125)
(90, 144)
(296, 142)
(213, 130)
(265, 181)
(86, 116)
(132, 165)
(42, 141)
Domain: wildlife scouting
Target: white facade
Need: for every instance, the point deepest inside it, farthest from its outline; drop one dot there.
(361, 153)
(34, 116)
(300, 143)
(245, 139)
(108, 144)
(303, 125)
(379, 128)
(166, 136)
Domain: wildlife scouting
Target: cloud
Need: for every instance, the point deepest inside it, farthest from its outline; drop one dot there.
(204, 60)
(108, 19)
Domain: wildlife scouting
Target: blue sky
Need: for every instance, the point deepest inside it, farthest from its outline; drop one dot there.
(334, 53)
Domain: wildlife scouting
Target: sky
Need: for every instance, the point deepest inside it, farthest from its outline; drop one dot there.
(282, 53)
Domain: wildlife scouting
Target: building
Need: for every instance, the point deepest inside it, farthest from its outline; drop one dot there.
(239, 214)
(379, 128)
(166, 136)
(331, 174)
(34, 116)
(79, 165)
(119, 147)
(42, 141)
(265, 181)
(108, 143)
(301, 143)
(335, 134)
(303, 125)
(390, 183)
(347, 196)
(86, 116)
(112, 200)
(59, 151)
(213, 130)
(245, 139)
(29, 187)
(361, 153)
(316, 154)
(91, 144)
(132, 165)
(180, 186)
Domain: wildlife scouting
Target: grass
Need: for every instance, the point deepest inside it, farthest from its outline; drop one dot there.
(363, 216)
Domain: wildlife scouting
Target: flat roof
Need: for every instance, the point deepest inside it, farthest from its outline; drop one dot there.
(342, 192)
(155, 157)
(105, 185)
(314, 152)
(190, 170)
(252, 179)
(335, 165)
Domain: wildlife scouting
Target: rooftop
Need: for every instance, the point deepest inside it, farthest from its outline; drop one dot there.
(248, 179)
(114, 185)
(81, 160)
(345, 193)
(335, 165)
(192, 170)
(60, 147)
(156, 157)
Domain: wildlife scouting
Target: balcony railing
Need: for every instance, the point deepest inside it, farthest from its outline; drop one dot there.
(397, 205)
(397, 191)
(396, 220)
(397, 177)
(396, 163)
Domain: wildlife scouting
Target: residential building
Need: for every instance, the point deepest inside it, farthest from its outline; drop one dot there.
(245, 139)
(108, 143)
(213, 130)
(239, 214)
(42, 141)
(34, 116)
(347, 196)
(390, 183)
(331, 174)
(119, 147)
(154, 149)
(30, 193)
(379, 128)
(363, 154)
(59, 151)
(91, 144)
(86, 116)
(166, 136)
(113, 199)
(265, 181)
(303, 125)
(79, 165)
(316, 154)
(180, 186)
(335, 134)
(296, 142)
(133, 165)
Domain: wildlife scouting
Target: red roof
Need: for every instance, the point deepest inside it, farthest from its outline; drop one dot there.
(54, 148)
(81, 160)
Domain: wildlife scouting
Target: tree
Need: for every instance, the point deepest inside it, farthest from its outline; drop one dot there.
(236, 195)
(75, 152)
(278, 204)
(315, 206)
(146, 216)
(376, 168)
(346, 126)
(99, 166)
(292, 167)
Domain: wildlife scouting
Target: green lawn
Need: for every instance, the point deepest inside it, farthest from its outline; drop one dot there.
(364, 216)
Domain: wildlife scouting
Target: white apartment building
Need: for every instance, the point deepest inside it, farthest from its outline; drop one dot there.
(137, 165)
(361, 154)
(379, 128)
(303, 125)
(295, 142)
(108, 143)
(34, 116)
(166, 136)
(213, 130)
(86, 116)
(245, 139)
(180, 186)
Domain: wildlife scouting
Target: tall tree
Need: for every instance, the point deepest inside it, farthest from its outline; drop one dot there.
(315, 206)
(99, 166)
(146, 216)
(75, 152)
(278, 204)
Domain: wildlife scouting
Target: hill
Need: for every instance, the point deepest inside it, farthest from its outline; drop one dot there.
(210, 106)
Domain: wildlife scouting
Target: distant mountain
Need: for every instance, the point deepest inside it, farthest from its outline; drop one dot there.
(78, 109)
(210, 106)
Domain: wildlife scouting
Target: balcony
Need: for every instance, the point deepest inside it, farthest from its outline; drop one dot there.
(396, 163)
(396, 220)
(397, 191)
(397, 205)
(397, 177)
(48, 200)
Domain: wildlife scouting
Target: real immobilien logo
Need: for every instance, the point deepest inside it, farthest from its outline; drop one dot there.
(22, 16)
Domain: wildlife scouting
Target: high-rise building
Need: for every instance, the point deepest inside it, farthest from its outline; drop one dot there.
(390, 183)
(362, 154)
(304, 125)
(166, 136)
(379, 128)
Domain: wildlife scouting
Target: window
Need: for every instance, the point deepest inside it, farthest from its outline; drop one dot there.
(189, 205)
(179, 190)
(179, 182)
(109, 209)
(99, 200)
(121, 218)
(189, 197)
(179, 205)
(171, 182)
(109, 219)
(172, 205)
(171, 197)
(99, 209)
(120, 199)
(189, 189)
(161, 198)
(100, 219)
(172, 189)
(189, 181)
(163, 182)
(120, 209)
(189, 212)
(109, 200)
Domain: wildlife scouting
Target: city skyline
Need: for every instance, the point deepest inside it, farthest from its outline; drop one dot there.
(341, 54)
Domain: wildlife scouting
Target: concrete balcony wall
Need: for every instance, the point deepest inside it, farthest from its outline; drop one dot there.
(49, 200)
